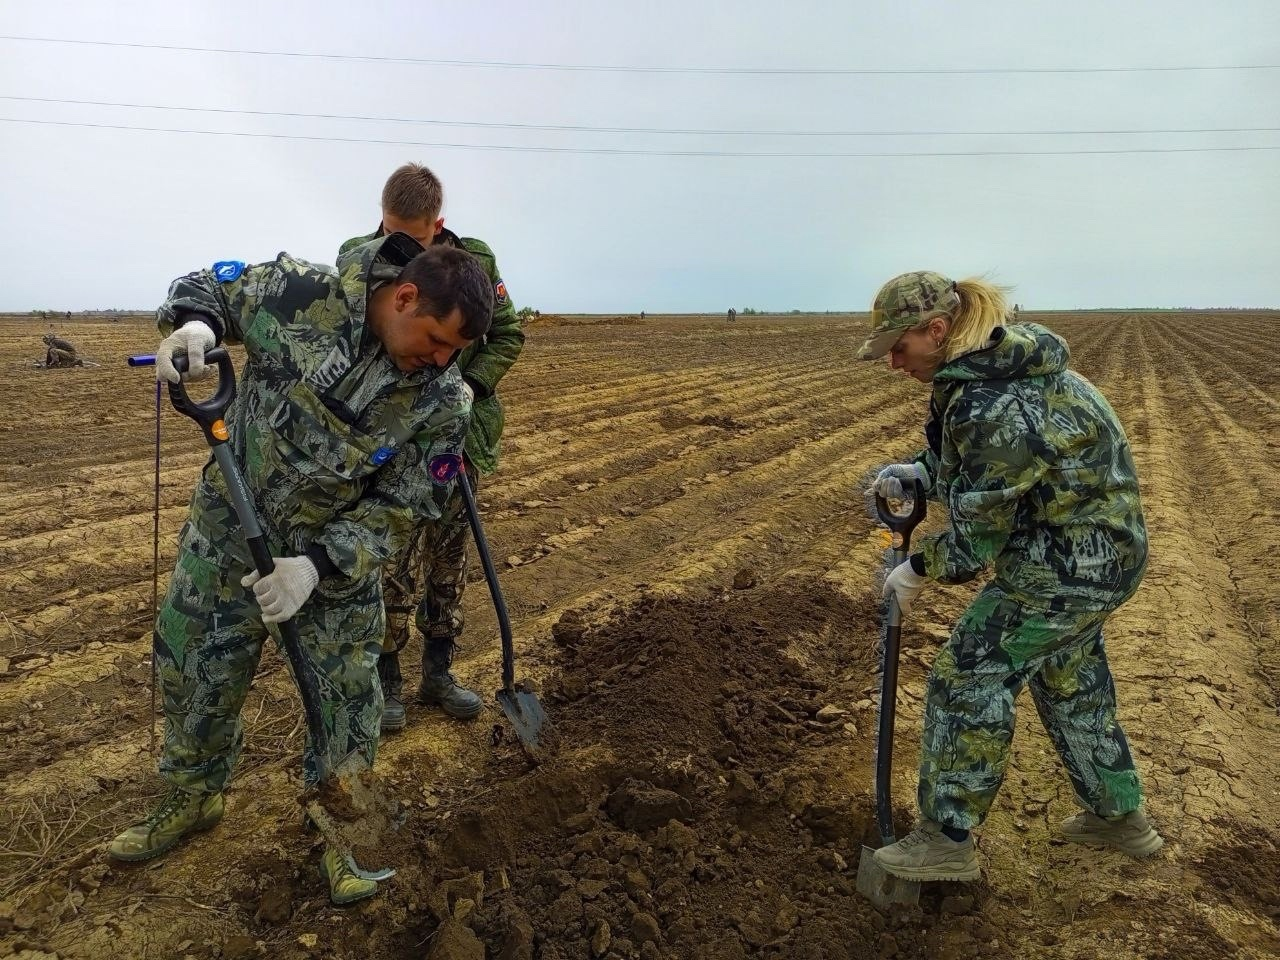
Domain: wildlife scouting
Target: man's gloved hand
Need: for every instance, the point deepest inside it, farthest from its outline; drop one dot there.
(906, 584)
(469, 391)
(894, 481)
(282, 593)
(192, 338)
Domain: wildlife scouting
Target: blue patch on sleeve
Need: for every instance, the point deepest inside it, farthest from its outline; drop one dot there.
(382, 455)
(228, 270)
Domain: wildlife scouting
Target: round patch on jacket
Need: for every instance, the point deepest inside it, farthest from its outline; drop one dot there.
(445, 467)
(228, 270)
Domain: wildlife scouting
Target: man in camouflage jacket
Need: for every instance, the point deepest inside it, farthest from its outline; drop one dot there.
(436, 563)
(346, 399)
(1036, 472)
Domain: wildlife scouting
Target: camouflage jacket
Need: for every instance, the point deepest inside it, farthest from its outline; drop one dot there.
(334, 441)
(485, 362)
(1036, 472)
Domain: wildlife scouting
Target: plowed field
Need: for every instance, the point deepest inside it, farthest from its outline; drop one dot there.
(687, 558)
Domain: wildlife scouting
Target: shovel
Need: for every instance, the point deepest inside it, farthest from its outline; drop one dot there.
(342, 786)
(874, 882)
(518, 702)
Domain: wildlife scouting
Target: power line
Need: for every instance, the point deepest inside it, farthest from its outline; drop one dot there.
(577, 128)
(643, 153)
(608, 68)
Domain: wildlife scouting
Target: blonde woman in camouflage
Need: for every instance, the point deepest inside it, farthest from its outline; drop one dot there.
(1036, 473)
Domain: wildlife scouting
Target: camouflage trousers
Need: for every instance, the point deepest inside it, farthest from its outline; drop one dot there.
(209, 637)
(57, 357)
(435, 565)
(1001, 644)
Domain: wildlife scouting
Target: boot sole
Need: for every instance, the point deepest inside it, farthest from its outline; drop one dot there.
(961, 875)
(393, 726)
(200, 827)
(1139, 848)
(456, 714)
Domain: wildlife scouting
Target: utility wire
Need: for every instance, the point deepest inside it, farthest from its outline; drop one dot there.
(607, 68)
(643, 153)
(577, 128)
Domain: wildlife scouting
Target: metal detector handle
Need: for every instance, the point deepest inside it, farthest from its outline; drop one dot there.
(142, 360)
(491, 576)
(901, 524)
(207, 413)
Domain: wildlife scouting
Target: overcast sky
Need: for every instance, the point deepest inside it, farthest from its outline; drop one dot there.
(99, 217)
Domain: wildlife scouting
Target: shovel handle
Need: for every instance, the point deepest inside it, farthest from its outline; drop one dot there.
(207, 413)
(491, 576)
(903, 523)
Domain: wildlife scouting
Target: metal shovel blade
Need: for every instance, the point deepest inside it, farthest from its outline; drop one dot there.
(881, 887)
(521, 707)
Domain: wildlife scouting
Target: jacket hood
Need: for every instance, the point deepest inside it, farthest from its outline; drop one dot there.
(1018, 351)
(381, 258)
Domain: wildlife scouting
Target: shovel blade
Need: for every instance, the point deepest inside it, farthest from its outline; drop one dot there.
(881, 887)
(522, 708)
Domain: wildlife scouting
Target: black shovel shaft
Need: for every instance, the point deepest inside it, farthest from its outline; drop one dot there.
(491, 576)
(207, 414)
(903, 525)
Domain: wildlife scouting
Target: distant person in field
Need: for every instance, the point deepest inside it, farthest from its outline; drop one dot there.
(412, 201)
(1036, 473)
(60, 353)
(348, 426)
(733, 314)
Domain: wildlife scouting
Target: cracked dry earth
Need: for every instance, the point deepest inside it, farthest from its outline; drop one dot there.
(689, 568)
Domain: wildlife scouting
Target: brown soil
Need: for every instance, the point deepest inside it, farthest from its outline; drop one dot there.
(692, 592)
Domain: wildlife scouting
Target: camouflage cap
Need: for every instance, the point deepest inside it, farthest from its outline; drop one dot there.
(904, 302)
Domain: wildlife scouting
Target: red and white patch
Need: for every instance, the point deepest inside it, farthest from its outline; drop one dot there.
(500, 292)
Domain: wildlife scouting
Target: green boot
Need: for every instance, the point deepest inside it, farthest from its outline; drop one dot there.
(393, 717)
(344, 886)
(178, 814)
(439, 688)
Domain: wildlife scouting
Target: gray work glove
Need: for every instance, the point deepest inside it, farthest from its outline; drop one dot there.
(192, 338)
(894, 481)
(282, 593)
(906, 584)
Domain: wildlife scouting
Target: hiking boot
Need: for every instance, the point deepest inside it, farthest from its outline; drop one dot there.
(1131, 833)
(393, 718)
(177, 814)
(344, 886)
(439, 688)
(926, 853)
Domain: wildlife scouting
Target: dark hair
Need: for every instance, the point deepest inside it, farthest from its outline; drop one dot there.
(413, 192)
(448, 277)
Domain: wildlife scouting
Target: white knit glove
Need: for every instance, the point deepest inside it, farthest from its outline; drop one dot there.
(906, 584)
(192, 338)
(894, 481)
(282, 593)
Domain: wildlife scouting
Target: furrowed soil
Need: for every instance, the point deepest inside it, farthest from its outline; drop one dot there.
(690, 569)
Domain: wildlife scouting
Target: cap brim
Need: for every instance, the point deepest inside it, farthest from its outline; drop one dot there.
(880, 344)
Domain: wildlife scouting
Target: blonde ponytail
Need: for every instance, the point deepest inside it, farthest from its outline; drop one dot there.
(983, 307)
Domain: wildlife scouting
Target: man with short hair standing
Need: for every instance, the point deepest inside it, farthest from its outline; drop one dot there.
(436, 563)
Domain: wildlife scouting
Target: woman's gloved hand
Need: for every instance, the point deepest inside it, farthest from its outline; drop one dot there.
(904, 583)
(894, 481)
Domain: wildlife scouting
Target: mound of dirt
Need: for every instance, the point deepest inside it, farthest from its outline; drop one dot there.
(683, 814)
